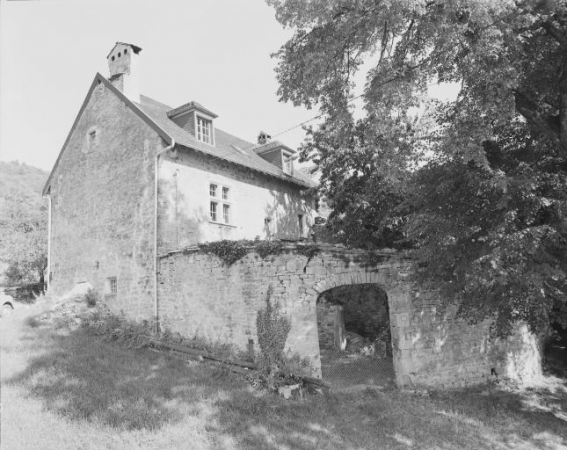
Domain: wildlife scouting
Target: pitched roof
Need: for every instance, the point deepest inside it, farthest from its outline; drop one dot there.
(135, 48)
(227, 147)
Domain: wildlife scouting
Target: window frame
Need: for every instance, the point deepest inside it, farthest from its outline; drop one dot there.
(112, 285)
(222, 203)
(198, 132)
(287, 157)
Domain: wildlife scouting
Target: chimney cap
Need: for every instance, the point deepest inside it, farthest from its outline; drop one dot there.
(134, 48)
(264, 138)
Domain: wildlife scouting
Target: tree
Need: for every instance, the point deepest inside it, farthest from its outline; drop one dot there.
(486, 215)
(23, 237)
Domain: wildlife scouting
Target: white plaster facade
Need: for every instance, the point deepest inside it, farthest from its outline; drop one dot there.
(258, 206)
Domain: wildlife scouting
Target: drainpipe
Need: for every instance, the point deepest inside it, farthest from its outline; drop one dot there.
(156, 263)
(47, 275)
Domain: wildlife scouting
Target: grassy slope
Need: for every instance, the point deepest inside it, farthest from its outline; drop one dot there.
(68, 390)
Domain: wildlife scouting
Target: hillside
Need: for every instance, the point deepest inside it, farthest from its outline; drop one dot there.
(21, 207)
(19, 177)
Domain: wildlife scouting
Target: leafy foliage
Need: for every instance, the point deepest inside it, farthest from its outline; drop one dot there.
(228, 251)
(23, 222)
(474, 186)
(272, 328)
(232, 251)
(92, 297)
(119, 329)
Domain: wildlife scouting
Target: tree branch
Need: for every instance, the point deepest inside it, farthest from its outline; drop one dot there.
(547, 126)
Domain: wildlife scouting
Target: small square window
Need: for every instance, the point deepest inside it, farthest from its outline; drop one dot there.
(213, 190)
(92, 139)
(225, 193)
(112, 285)
(213, 211)
(226, 213)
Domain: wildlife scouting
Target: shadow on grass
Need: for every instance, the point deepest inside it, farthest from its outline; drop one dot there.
(469, 419)
(87, 379)
(83, 377)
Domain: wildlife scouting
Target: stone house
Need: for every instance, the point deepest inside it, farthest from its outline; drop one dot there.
(136, 178)
(138, 184)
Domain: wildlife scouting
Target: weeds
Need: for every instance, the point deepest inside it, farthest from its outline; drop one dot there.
(91, 298)
(118, 328)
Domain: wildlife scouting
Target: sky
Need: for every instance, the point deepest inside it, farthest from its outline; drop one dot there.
(216, 52)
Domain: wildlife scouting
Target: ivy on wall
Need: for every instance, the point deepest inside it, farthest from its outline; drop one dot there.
(232, 251)
(273, 328)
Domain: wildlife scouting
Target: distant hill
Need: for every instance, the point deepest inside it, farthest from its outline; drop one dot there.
(22, 178)
(19, 180)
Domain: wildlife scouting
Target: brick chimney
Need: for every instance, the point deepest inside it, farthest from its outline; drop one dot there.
(124, 66)
(264, 138)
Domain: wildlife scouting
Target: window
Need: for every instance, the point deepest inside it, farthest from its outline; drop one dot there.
(91, 140)
(214, 211)
(204, 130)
(287, 164)
(301, 227)
(112, 285)
(220, 204)
(226, 213)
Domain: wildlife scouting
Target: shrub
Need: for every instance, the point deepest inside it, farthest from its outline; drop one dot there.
(91, 298)
(119, 329)
(273, 329)
(33, 322)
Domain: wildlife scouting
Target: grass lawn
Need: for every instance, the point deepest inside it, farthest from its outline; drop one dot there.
(70, 390)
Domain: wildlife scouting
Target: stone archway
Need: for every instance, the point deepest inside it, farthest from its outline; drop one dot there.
(386, 277)
(354, 332)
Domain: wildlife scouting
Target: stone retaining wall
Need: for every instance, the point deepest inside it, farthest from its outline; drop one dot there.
(200, 296)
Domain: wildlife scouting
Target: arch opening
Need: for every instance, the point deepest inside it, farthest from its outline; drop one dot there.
(355, 342)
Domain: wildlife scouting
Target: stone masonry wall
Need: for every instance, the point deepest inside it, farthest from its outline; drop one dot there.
(200, 296)
(103, 206)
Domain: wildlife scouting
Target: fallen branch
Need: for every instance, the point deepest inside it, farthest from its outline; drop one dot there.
(202, 353)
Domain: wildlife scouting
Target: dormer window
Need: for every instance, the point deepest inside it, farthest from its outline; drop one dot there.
(204, 130)
(287, 164)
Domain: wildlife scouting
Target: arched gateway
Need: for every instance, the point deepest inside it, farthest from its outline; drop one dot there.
(200, 296)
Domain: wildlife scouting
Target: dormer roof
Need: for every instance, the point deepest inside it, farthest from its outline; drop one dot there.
(272, 145)
(188, 107)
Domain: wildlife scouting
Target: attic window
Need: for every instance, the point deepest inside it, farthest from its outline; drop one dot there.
(204, 130)
(113, 58)
(287, 164)
(125, 50)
